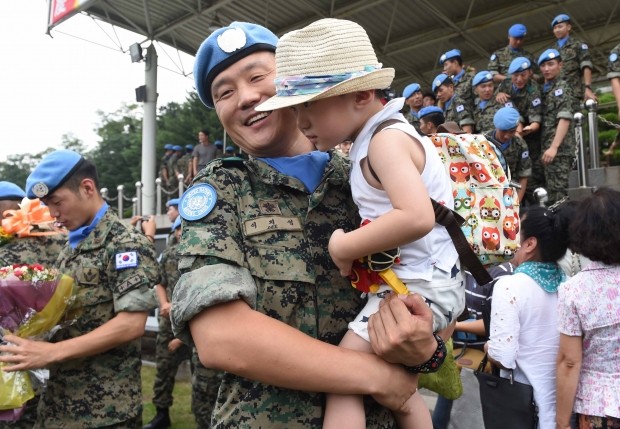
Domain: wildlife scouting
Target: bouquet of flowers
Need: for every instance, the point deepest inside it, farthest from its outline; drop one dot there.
(33, 301)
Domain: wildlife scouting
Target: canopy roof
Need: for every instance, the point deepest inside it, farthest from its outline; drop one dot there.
(409, 35)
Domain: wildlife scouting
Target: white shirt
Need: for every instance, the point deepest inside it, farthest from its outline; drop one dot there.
(524, 337)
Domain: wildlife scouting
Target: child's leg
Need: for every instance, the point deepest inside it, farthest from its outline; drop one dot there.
(417, 416)
(347, 411)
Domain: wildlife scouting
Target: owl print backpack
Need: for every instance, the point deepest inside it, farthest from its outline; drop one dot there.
(483, 194)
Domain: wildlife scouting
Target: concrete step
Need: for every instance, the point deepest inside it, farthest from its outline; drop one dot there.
(597, 177)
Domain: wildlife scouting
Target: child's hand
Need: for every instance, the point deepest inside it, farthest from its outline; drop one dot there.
(335, 247)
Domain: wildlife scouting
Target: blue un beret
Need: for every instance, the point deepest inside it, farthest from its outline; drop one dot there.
(482, 77)
(53, 170)
(172, 202)
(176, 224)
(219, 143)
(452, 53)
(439, 80)
(224, 47)
(518, 31)
(168, 146)
(189, 146)
(411, 89)
(559, 19)
(506, 119)
(10, 191)
(548, 55)
(428, 110)
(230, 149)
(177, 147)
(519, 64)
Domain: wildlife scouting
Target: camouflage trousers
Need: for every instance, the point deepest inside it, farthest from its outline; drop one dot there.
(27, 420)
(205, 386)
(167, 364)
(553, 177)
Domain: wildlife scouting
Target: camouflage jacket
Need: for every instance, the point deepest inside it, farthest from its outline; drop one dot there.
(266, 242)
(575, 57)
(528, 101)
(557, 104)
(42, 250)
(169, 268)
(457, 110)
(613, 64)
(484, 115)
(103, 389)
(463, 88)
(500, 60)
(516, 155)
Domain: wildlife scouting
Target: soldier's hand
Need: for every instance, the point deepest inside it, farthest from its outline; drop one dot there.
(549, 155)
(24, 354)
(164, 309)
(402, 330)
(589, 95)
(174, 344)
(502, 97)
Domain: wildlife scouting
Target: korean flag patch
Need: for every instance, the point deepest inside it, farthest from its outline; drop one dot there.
(536, 102)
(509, 104)
(126, 260)
(493, 57)
(525, 154)
(558, 92)
(460, 108)
(584, 47)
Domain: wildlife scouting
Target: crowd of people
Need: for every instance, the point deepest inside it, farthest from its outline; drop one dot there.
(255, 280)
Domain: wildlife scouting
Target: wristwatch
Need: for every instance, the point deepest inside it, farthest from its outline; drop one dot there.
(433, 364)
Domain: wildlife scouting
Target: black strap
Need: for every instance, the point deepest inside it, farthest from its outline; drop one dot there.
(452, 221)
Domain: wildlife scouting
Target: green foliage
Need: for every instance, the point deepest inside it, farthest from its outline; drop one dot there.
(607, 133)
(17, 167)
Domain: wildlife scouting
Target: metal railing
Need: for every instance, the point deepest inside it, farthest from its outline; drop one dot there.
(136, 201)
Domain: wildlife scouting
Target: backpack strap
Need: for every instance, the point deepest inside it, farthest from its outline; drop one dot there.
(452, 221)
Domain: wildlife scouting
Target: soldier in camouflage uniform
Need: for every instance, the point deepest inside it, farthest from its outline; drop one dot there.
(95, 362)
(500, 60)
(173, 168)
(264, 299)
(455, 109)
(513, 147)
(613, 73)
(576, 60)
(170, 352)
(485, 106)
(414, 99)
(523, 93)
(184, 164)
(557, 142)
(205, 386)
(461, 76)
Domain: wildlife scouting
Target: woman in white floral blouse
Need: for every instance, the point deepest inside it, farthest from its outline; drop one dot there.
(588, 368)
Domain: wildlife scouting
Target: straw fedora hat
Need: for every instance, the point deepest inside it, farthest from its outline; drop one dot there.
(327, 58)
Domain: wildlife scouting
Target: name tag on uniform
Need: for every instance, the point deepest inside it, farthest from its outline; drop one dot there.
(460, 108)
(126, 260)
(536, 102)
(558, 92)
(272, 223)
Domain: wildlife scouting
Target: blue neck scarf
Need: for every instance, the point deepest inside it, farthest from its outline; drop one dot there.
(548, 275)
(78, 235)
(503, 145)
(483, 104)
(515, 89)
(547, 85)
(447, 104)
(457, 77)
(562, 42)
(308, 168)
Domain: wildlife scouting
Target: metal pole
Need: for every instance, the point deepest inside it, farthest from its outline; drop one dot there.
(581, 156)
(180, 178)
(104, 193)
(149, 132)
(591, 105)
(134, 206)
(139, 198)
(158, 187)
(119, 188)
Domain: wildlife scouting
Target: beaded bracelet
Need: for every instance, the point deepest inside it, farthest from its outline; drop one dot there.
(433, 364)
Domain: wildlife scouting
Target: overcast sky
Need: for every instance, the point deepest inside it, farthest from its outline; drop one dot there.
(50, 86)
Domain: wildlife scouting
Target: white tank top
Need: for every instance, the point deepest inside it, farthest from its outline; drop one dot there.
(418, 258)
